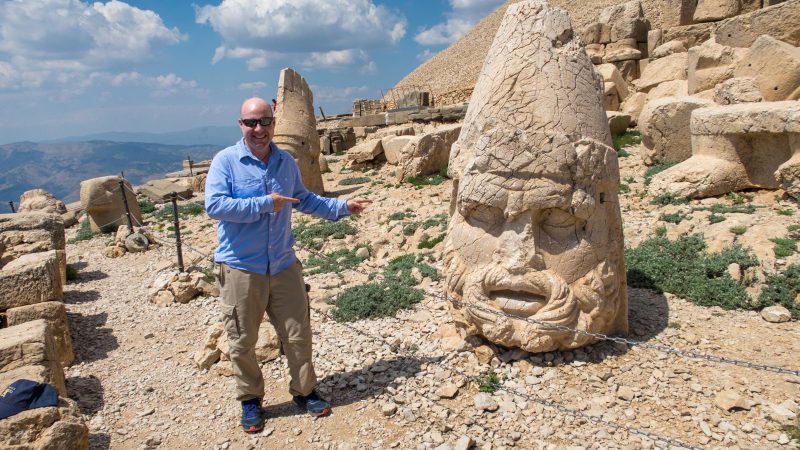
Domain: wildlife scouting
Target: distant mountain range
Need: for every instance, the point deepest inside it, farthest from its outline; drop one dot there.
(222, 136)
(59, 167)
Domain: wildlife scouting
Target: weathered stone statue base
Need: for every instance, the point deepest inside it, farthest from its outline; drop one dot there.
(296, 127)
(735, 147)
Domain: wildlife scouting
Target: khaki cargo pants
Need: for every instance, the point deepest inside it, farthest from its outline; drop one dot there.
(245, 298)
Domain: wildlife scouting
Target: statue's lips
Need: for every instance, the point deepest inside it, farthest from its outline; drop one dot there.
(519, 300)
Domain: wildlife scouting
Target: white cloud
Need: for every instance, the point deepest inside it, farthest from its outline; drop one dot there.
(426, 55)
(254, 86)
(324, 32)
(337, 93)
(464, 15)
(369, 68)
(66, 43)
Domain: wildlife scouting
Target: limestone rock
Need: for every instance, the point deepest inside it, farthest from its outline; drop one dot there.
(427, 153)
(32, 233)
(618, 122)
(53, 428)
(634, 105)
(664, 124)
(729, 401)
(485, 402)
(674, 88)
(28, 351)
(667, 49)
(114, 251)
(776, 314)
(716, 10)
(136, 242)
(672, 67)
(393, 145)
(725, 142)
(514, 145)
(737, 90)
(296, 127)
(161, 190)
(625, 20)
(779, 21)
(323, 164)
(268, 345)
(29, 279)
(609, 73)
(775, 66)
(101, 198)
(40, 200)
(365, 152)
(56, 315)
(710, 64)
(690, 35)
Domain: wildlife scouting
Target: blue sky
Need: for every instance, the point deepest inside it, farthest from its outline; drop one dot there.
(73, 67)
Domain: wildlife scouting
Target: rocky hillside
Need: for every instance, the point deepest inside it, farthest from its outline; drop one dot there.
(451, 74)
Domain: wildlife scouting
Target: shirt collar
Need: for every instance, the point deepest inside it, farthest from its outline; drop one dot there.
(242, 151)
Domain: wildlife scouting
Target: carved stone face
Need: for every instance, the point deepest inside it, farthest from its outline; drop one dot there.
(536, 233)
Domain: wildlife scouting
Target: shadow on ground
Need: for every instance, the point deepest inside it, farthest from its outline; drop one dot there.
(85, 277)
(75, 297)
(88, 392)
(372, 380)
(344, 191)
(91, 341)
(99, 441)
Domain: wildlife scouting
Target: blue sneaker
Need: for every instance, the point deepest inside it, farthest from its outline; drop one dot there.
(252, 416)
(312, 403)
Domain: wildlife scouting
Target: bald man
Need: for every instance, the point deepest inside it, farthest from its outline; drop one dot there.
(251, 189)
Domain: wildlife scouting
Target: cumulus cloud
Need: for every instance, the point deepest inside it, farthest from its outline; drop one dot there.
(463, 16)
(326, 32)
(254, 86)
(61, 41)
(426, 55)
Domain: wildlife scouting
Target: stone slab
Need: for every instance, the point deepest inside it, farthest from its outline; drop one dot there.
(29, 279)
(29, 349)
(56, 315)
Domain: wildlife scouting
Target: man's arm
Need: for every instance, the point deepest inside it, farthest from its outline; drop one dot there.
(311, 203)
(221, 205)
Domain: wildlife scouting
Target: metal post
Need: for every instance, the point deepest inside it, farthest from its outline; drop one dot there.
(323, 114)
(188, 157)
(122, 173)
(127, 209)
(177, 222)
(11, 204)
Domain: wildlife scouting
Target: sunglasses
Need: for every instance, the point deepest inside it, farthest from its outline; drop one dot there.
(251, 123)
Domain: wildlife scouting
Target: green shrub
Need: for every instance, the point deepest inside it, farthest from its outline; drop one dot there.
(146, 206)
(653, 170)
(84, 232)
(629, 180)
(624, 188)
(438, 219)
(782, 289)
(669, 199)
(399, 269)
(725, 209)
(165, 213)
(354, 180)
(400, 215)
(374, 300)
(622, 153)
(675, 218)
(72, 273)
(713, 218)
(429, 180)
(625, 140)
(335, 261)
(735, 198)
(738, 229)
(313, 235)
(430, 243)
(784, 247)
(785, 212)
(685, 268)
(488, 382)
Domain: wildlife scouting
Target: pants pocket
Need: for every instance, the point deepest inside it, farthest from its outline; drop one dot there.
(231, 320)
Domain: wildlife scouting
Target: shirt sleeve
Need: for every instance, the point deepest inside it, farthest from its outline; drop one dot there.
(220, 204)
(317, 205)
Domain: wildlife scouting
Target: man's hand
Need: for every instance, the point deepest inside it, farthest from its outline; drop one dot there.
(278, 201)
(356, 205)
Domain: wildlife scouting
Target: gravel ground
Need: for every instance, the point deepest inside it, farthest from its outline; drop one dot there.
(396, 383)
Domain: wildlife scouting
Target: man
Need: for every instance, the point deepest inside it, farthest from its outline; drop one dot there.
(251, 189)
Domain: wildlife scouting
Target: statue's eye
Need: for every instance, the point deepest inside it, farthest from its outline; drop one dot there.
(483, 215)
(559, 224)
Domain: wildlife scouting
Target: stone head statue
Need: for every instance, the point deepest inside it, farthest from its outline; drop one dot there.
(535, 229)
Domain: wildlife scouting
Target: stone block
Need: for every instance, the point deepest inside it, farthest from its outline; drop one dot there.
(667, 49)
(674, 88)
(737, 90)
(625, 20)
(664, 124)
(710, 64)
(618, 122)
(672, 67)
(654, 40)
(678, 12)
(52, 428)
(610, 73)
(781, 21)
(365, 151)
(392, 146)
(596, 52)
(41, 201)
(28, 351)
(55, 314)
(610, 96)
(716, 10)
(633, 106)
(775, 65)
(629, 69)
(29, 279)
(31, 233)
(428, 153)
(102, 199)
(161, 190)
(690, 35)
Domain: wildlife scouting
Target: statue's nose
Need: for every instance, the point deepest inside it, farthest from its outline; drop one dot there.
(518, 245)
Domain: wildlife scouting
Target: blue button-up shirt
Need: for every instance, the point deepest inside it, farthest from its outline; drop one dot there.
(251, 236)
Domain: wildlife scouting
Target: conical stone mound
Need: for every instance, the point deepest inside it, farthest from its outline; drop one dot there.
(296, 127)
(536, 229)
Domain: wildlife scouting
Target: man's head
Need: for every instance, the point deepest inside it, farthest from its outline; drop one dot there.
(255, 112)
